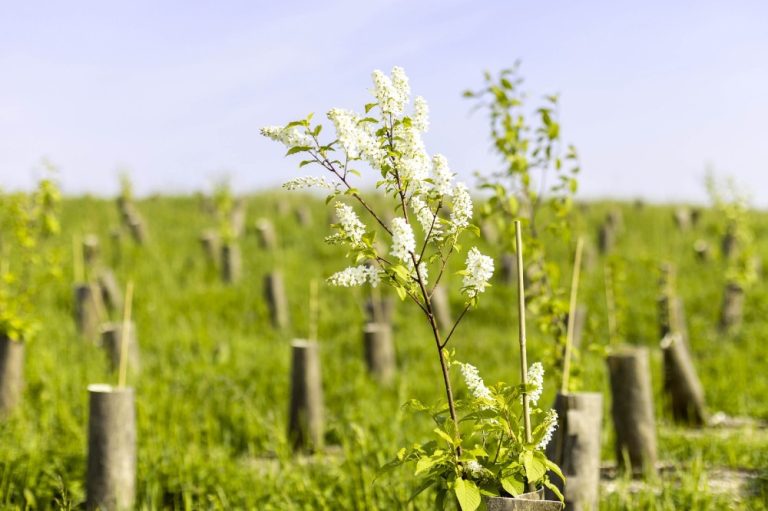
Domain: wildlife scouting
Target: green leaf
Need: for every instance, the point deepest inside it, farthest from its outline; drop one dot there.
(445, 436)
(401, 293)
(425, 464)
(513, 486)
(467, 494)
(535, 468)
(554, 468)
(297, 149)
(554, 489)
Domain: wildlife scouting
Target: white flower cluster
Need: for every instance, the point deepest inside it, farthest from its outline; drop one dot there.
(423, 274)
(478, 272)
(474, 469)
(307, 182)
(475, 383)
(536, 378)
(551, 421)
(356, 139)
(426, 218)
(403, 240)
(442, 175)
(461, 210)
(415, 164)
(351, 225)
(355, 276)
(420, 119)
(291, 137)
(392, 94)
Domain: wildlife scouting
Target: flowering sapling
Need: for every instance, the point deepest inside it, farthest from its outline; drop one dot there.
(418, 242)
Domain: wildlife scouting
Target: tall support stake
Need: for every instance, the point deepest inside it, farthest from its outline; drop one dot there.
(521, 316)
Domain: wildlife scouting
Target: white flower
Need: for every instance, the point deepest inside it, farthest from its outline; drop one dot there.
(478, 272)
(351, 225)
(307, 182)
(414, 163)
(356, 139)
(388, 95)
(420, 117)
(291, 137)
(461, 211)
(355, 276)
(442, 175)
(426, 218)
(535, 378)
(551, 421)
(422, 270)
(403, 240)
(475, 383)
(474, 469)
(401, 86)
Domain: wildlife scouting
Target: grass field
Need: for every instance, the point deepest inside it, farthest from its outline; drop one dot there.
(212, 395)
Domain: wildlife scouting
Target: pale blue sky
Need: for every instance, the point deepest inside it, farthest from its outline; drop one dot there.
(652, 92)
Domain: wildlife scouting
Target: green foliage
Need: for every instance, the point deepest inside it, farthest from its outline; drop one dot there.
(496, 458)
(537, 172)
(738, 238)
(28, 222)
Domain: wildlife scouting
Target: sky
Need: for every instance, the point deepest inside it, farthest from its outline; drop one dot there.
(652, 93)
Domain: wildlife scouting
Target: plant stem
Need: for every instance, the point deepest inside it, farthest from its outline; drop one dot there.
(124, 335)
(571, 316)
(521, 315)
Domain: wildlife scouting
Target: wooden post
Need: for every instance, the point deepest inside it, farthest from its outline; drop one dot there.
(306, 422)
(137, 228)
(733, 307)
(681, 383)
(379, 309)
(303, 216)
(209, 240)
(274, 292)
(111, 341)
(575, 448)
(606, 237)
(632, 409)
(88, 310)
(702, 249)
(239, 215)
(266, 233)
(110, 290)
(231, 262)
(91, 250)
(442, 308)
(379, 351)
(508, 271)
(111, 474)
(11, 374)
(682, 216)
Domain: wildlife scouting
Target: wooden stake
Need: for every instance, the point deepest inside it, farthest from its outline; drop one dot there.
(124, 335)
(610, 304)
(571, 316)
(77, 259)
(521, 332)
(313, 310)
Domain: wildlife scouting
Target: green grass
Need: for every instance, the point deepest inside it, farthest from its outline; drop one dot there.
(212, 396)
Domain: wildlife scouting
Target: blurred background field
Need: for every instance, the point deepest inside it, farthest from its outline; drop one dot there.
(212, 394)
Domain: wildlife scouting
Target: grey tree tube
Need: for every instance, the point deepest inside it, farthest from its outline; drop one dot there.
(379, 351)
(11, 374)
(575, 447)
(88, 307)
(274, 292)
(306, 421)
(632, 409)
(231, 263)
(110, 290)
(733, 307)
(211, 244)
(111, 474)
(111, 336)
(681, 383)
